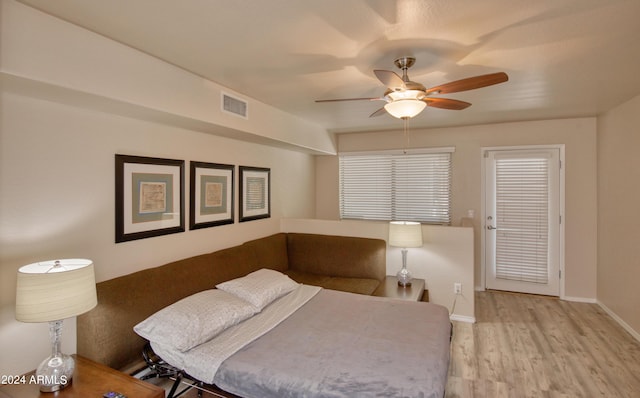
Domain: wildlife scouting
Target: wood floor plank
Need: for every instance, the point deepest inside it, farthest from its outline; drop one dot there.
(536, 346)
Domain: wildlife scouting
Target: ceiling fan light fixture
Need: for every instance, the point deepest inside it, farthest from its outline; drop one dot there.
(406, 95)
(406, 99)
(406, 108)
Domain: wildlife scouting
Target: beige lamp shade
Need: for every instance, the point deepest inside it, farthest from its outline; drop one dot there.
(405, 234)
(54, 290)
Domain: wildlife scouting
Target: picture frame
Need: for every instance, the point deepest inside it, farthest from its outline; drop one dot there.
(211, 188)
(149, 197)
(255, 193)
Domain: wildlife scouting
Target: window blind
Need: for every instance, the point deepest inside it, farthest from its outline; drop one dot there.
(396, 186)
(522, 218)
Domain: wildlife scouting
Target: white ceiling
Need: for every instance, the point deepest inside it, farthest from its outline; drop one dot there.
(564, 58)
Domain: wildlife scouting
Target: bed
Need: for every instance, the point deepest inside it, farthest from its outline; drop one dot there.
(304, 341)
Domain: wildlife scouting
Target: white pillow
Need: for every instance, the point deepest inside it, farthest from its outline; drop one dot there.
(195, 319)
(261, 287)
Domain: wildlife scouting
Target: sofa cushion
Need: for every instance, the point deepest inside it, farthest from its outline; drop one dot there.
(307, 278)
(352, 285)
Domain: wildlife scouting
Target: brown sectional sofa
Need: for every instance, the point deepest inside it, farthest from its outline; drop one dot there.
(105, 334)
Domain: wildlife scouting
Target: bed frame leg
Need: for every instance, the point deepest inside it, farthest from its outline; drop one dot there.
(178, 380)
(175, 385)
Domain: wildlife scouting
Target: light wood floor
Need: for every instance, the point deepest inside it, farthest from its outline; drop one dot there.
(533, 346)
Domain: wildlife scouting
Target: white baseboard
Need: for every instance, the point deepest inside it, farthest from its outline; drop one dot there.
(622, 323)
(580, 299)
(462, 318)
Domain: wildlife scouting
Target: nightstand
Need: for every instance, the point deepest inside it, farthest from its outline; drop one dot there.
(90, 379)
(390, 288)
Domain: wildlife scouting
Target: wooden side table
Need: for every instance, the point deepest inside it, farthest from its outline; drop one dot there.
(390, 288)
(90, 379)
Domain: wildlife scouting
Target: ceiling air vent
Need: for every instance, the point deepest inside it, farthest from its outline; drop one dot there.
(235, 106)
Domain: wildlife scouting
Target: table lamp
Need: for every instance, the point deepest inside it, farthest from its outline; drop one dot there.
(51, 291)
(405, 234)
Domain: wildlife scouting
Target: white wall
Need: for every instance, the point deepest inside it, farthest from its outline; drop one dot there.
(445, 258)
(57, 200)
(579, 137)
(618, 215)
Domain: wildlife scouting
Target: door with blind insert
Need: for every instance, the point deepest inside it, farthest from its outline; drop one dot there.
(522, 220)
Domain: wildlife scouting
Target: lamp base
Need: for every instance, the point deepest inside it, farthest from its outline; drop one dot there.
(404, 277)
(55, 372)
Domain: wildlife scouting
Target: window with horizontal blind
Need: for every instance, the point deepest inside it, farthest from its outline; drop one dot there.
(392, 185)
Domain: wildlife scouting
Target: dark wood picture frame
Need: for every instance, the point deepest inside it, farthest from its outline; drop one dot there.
(211, 194)
(255, 193)
(149, 197)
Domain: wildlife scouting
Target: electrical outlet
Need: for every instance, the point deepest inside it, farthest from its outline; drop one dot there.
(457, 288)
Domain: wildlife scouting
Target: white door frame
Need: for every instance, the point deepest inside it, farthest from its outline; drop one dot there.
(483, 216)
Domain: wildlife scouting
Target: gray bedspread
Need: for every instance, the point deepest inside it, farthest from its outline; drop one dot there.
(346, 345)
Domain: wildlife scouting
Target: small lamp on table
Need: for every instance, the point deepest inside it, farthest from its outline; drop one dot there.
(405, 234)
(51, 291)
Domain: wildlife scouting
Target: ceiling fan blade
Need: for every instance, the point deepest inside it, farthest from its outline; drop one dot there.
(379, 112)
(390, 79)
(470, 83)
(446, 103)
(352, 99)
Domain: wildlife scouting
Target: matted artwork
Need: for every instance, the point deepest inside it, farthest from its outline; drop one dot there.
(211, 189)
(255, 191)
(149, 197)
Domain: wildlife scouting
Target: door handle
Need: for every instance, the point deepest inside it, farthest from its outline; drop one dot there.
(491, 227)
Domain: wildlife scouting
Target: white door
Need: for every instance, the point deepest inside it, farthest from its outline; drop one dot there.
(522, 220)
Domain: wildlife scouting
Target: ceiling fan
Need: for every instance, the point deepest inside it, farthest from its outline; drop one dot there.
(406, 99)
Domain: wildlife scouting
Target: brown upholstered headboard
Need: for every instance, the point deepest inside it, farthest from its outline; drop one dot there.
(105, 334)
(343, 256)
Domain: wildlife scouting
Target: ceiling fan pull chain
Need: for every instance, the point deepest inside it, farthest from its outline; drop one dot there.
(406, 135)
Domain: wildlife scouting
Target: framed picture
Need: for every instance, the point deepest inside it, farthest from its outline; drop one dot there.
(149, 197)
(211, 189)
(255, 193)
